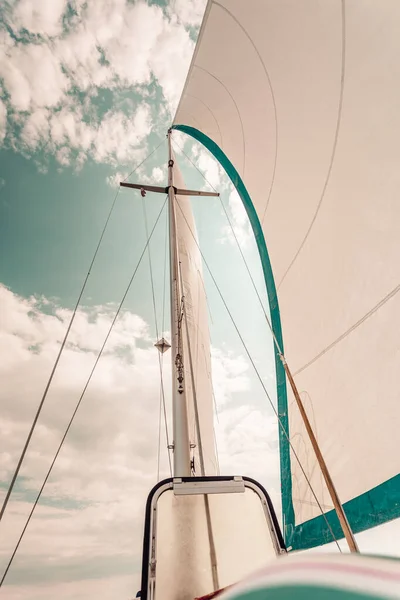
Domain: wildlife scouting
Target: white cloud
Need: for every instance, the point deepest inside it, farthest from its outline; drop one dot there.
(3, 121)
(32, 75)
(189, 13)
(36, 128)
(239, 221)
(63, 155)
(209, 167)
(115, 179)
(248, 439)
(44, 17)
(117, 45)
(118, 136)
(230, 375)
(158, 175)
(85, 539)
(117, 139)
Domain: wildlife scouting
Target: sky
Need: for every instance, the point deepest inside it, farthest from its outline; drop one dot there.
(88, 90)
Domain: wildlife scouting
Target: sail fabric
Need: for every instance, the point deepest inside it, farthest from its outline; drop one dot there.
(195, 336)
(299, 101)
(241, 537)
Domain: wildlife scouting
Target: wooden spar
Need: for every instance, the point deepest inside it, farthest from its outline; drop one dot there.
(351, 541)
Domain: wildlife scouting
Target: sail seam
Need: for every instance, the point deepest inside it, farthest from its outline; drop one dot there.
(211, 113)
(335, 143)
(272, 96)
(237, 110)
(351, 329)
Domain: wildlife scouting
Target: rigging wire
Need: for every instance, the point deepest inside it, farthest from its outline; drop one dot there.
(49, 381)
(160, 362)
(80, 398)
(261, 380)
(39, 409)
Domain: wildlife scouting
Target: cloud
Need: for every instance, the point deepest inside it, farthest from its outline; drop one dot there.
(212, 171)
(248, 443)
(158, 175)
(88, 528)
(32, 75)
(118, 137)
(59, 61)
(188, 13)
(44, 17)
(115, 139)
(115, 179)
(239, 221)
(230, 375)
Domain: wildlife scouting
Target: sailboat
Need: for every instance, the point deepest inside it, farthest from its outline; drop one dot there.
(298, 102)
(286, 98)
(331, 305)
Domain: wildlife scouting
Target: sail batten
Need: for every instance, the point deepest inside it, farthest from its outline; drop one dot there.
(306, 102)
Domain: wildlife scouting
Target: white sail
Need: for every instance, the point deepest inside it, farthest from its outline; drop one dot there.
(300, 101)
(196, 337)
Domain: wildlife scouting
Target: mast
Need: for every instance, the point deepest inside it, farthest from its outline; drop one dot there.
(181, 443)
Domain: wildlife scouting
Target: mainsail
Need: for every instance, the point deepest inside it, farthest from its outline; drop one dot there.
(195, 338)
(299, 103)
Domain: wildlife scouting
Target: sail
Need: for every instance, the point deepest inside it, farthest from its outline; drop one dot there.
(195, 337)
(299, 101)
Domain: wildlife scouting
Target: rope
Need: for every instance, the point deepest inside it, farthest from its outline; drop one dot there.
(261, 381)
(80, 400)
(44, 396)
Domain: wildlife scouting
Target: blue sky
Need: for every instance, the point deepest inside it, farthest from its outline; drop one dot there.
(88, 90)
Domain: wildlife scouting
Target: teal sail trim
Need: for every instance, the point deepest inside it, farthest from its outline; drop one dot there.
(375, 507)
(286, 479)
